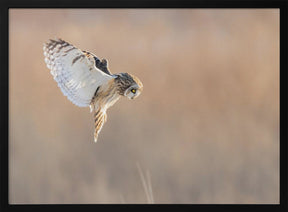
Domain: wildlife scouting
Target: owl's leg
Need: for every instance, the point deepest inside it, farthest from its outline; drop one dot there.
(99, 120)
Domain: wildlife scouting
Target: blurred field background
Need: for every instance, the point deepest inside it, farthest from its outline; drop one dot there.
(206, 126)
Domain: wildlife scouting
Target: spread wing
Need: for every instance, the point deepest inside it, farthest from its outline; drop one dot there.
(74, 71)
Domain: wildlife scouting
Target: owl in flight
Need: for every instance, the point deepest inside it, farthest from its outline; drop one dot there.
(86, 81)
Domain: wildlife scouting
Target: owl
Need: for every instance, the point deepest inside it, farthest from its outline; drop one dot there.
(86, 80)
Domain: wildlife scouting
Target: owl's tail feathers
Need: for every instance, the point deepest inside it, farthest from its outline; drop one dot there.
(100, 118)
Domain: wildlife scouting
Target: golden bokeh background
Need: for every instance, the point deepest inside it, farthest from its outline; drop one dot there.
(205, 128)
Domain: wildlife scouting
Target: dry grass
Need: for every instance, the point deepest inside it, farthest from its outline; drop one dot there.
(147, 185)
(206, 125)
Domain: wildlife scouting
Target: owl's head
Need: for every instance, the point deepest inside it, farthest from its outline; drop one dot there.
(129, 85)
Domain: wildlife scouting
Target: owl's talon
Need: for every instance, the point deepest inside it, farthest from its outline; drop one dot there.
(91, 107)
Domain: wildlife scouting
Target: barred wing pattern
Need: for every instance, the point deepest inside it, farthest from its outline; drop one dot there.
(75, 73)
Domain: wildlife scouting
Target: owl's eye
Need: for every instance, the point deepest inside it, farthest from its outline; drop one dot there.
(133, 90)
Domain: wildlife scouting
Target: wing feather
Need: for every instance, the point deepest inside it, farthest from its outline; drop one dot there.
(76, 75)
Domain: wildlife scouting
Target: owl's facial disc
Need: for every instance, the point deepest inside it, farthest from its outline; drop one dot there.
(132, 92)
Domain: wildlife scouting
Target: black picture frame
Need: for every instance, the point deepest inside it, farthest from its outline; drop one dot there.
(4, 20)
